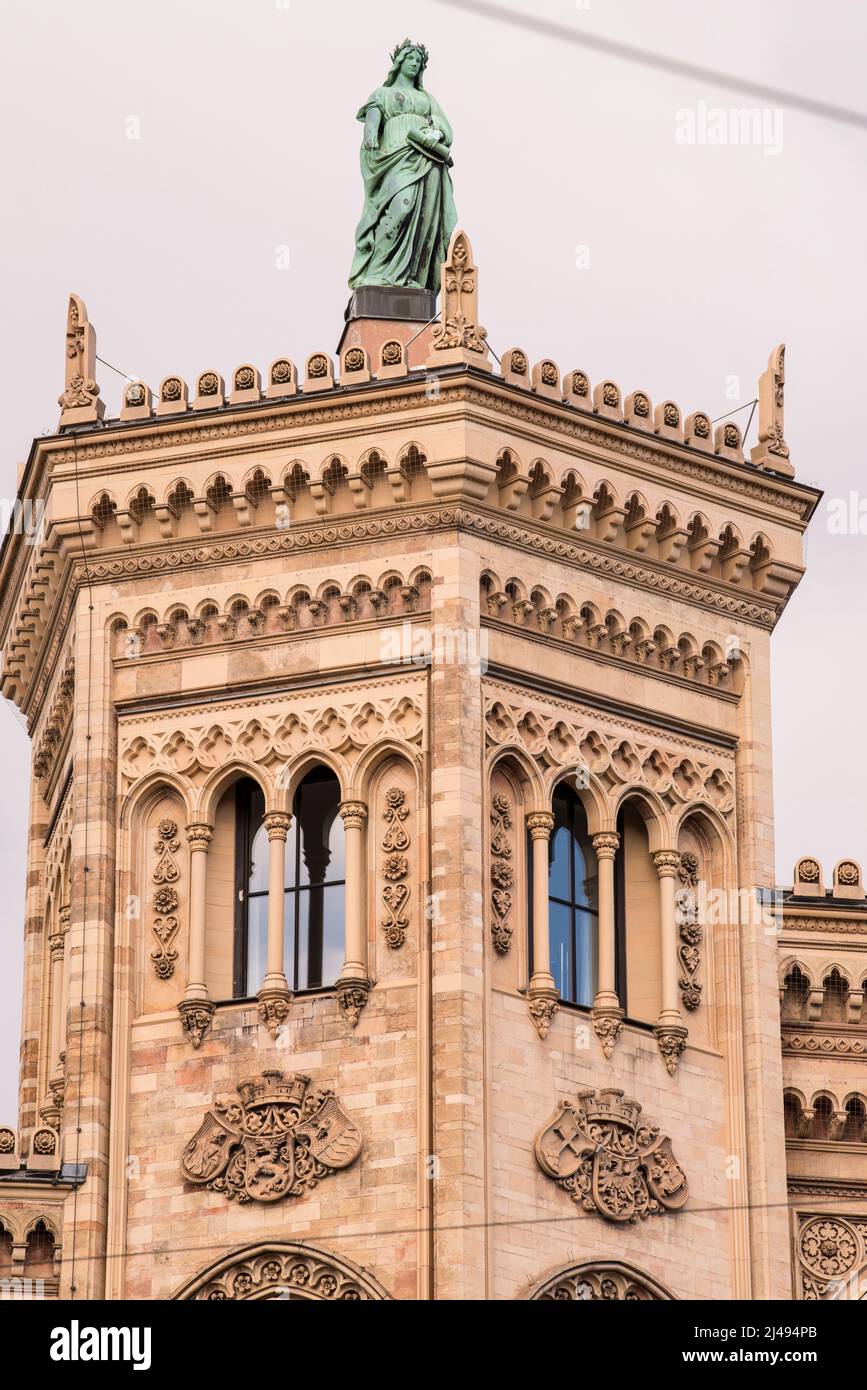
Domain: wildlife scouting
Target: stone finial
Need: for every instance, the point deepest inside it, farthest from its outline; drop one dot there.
(668, 421)
(728, 442)
(246, 384)
(173, 396)
(137, 401)
(808, 878)
(354, 365)
(210, 391)
(459, 337)
(392, 360)
(772, 451)
(282, 379)
(10, 1158)
(638, 410)
(545, 379)
(576, 390)
(848, 881)
(79, 401)
(515, 367)
(318, 373)
(698, 431)
(607, 400)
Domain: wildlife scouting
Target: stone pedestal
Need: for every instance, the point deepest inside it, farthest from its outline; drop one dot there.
(377, 315)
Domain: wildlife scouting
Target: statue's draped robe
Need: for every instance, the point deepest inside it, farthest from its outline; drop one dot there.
(415, 252)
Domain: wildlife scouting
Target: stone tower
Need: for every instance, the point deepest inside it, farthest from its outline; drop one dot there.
(401, 789)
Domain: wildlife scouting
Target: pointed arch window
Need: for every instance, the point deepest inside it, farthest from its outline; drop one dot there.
(313, 892)
(573, 903)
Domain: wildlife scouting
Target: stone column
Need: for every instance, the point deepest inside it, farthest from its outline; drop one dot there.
(353, 987)
(274, 991)
(196, 1009)
(670, 1030)
(607, 1013)
(52, 1109)
(543, 991)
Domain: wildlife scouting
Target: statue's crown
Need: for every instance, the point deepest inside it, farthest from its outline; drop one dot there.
(603, 1107)
(273, 1086)
(408, 43)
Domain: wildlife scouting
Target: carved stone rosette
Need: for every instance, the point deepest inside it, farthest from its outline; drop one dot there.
(608, 1161)
(395, 868)
(831, 1251)
(165, 899)
(279, 1141)
(691, 932)
(502, 874)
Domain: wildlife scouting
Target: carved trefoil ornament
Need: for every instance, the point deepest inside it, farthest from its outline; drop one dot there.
(502, 874)
(395, 868)
(279, 1140)
(690, 930)
(164, 902)
(608, 1160)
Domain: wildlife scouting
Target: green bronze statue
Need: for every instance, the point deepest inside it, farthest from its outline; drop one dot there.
(409, 210)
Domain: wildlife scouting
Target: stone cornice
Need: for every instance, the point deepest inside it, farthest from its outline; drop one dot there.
(812, 921)
(466, 387)
(311, 537)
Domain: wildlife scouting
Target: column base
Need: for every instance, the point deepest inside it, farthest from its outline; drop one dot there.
(274, 1004)
(542, 1006)
(607, 1022)
(671, 1041)
(196, 1015)
(352, 996)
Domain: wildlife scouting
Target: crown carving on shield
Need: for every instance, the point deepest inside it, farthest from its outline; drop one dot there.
(610, 1106)
(272, 1087)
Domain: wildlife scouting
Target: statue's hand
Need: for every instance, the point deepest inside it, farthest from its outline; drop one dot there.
(370, 141)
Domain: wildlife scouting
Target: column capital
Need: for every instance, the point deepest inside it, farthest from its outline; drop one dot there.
(56, 943)
(606, 844)
(353, 814)
(277, 824)
(199, 835)
(540, 824)
(666, 863)
(64, 917)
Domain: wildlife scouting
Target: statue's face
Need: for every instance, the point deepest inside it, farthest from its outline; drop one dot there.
(411, 64)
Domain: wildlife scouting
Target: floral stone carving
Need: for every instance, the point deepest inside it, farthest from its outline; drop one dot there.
(395, 892)
(690, 930)
(608, 1161)
(165, 899)
(502, 874)
(278, 1142)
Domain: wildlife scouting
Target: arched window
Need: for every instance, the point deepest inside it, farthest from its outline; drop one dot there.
(824, 1114)
(792, 1115)
(796, 988)
(573, 903)
(313, 894)
(835, 998)
(855, 1130)
(636, 894)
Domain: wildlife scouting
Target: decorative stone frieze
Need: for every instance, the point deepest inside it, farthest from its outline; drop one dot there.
(690, 930)
(164, 901)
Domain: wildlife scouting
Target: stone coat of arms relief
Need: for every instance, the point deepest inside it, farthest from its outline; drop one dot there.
(608, 1161)
(279, 1141)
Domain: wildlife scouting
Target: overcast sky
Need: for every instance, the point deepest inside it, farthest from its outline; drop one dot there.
(160, 158)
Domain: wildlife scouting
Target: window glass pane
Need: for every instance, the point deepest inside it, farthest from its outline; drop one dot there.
(559, 850)
(289, 900)
(320, 954)
(257, 942)
(586, 872)
(561, 948)
(258, 879)
(321, 831)
(586, 957)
